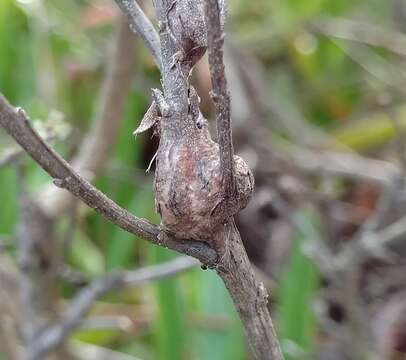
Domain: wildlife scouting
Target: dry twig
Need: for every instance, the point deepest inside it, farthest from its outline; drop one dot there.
(180, 117)
(17, 124)
(54, 334)
(221, 97)
(362, 33)
(140, 24)
(96, 146)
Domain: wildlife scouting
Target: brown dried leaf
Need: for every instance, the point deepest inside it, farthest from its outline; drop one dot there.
(149, 120)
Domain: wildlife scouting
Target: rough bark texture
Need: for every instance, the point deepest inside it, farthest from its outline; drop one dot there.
(199, 184)
(189, 183)
(192, 188)
(220, 95)
(249, 296)
(17, 125)
(186, 21)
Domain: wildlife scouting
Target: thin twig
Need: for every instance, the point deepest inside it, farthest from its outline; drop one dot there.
(220, 94)
(140, 24)
(17, 124)
(250, 298)
(10, 307)
(371, 243)
(37, 260)
(8, 337)
(72, 317)
(10, 156)
(349, 165)
(363, 33)
(388, 73)
(96, 146)
(38, 250)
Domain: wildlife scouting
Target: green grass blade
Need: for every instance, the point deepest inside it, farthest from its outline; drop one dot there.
(298, 285)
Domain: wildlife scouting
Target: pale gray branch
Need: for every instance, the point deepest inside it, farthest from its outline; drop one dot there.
(17, 125)
(345, 164)
(363, 33)
(96, 146)
(10, 155)
(11, 315)
(72, 317)
(250, 298)
(220, 94)
(140, 24)
(38, 250)
(38, 263)
(371, 243)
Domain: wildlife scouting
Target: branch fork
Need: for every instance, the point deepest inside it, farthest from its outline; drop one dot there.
(199, 30)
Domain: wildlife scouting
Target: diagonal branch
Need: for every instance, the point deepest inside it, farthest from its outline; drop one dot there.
(220, 94)
(72, 317)
(17, 124)
(38, 252)
(365, 33)
(96, 146)
(249, 296)
(140, 23)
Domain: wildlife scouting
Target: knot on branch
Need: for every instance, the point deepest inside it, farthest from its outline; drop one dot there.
(189, 183)
(199, 184)
(61, 183)
(187, 25)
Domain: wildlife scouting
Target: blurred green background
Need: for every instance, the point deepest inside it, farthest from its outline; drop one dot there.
(52, 57)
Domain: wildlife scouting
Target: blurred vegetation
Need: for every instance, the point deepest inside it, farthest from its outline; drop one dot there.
(52, 55)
